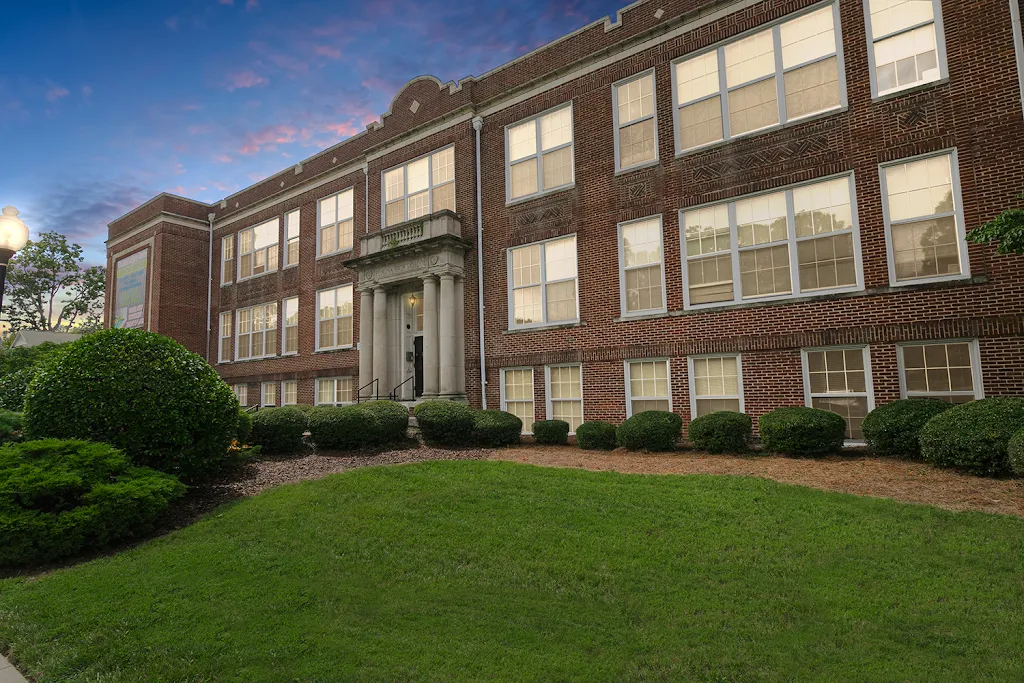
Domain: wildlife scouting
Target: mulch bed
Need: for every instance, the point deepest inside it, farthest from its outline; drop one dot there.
(902, 480)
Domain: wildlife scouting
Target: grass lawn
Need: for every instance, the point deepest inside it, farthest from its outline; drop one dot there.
(489, 570)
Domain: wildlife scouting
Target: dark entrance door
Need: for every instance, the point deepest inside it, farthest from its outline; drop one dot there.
(417, 346)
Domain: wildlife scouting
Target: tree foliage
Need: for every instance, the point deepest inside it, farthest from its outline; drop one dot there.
(49, 287)
(1006, 229)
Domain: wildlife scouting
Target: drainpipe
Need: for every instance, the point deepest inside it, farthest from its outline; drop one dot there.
(366, 197)
(478, 123)
(209, 291)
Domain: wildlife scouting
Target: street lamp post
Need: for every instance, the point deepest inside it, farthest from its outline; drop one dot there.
(13, 236)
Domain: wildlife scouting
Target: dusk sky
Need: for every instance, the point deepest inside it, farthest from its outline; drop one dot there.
(105, 104)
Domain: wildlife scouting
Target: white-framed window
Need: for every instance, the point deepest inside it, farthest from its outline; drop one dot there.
(291, 238)
(906, 44)
(290, 313)
(924, 221)
(517, 395)
(813, 225)
(946, 370)
(289, 392)
(635, 115)
(226, 333)
(716, 384)
(641, 267)
(543, 286)
(227, 259)
(242, 394)
(838, 379)
(648, 386)
(334, 318)
(539, 154)
(420, 187)
(257, 249)
(760, 80)
(268, 394)
(334, 390)
(256, 335)
(334, 221)
(565, 394)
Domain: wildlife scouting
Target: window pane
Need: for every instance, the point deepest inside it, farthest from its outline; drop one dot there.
(327, 244)
(920, 188)
(561, 301)
(812, 88)
(325, 391)
(394, 212)
(444, 166)
(526, 265)
(636, 143)
(710, 279)
(753, 107)
(697, 77)
(527, 306)
(807, 37)
(822, 207)
(641, 243)
(827, 262)
(522, 140)
(906, 59)
(417, 175)
(560, 259)
(700, 123)
(557, 168)
(345, 207)
(394, 184)
(419, 205)
(635, 100)
(852, 409)
(889, 16)
(761, 220)
(938, 368)
(292, 255)
(706, 406)
(524, 178)
(643, 289)
(707, 230)
(292, 224)
(926, 249)
(750, 58)
(556, 129)
(444, 197)
(765, 271)
(345, 234)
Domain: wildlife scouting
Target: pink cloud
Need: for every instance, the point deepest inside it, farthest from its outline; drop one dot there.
(268, 138)
(327, 51)
(200, 128)
(245, 79)
(250, 5)
(342, 130)
(55, 93)
(224, 159)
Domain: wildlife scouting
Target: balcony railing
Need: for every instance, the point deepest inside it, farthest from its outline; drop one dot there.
(410, 232)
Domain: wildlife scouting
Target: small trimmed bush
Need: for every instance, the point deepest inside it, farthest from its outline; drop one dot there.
(651, 430)
(721, 432)
(802, 431)
(551, 432)
(495, 428)
(144, 393)
(58, 498)
(304, 407)
(244, 428)
(596, 436)
(278, 430)
(445, 423)
(974, 437)
(1015, 453)
(389, 421)
(893, 429)
(352, 427)
(11, 426)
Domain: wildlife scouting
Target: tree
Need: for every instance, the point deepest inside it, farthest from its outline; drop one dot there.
(49, 288)
(1007, 229)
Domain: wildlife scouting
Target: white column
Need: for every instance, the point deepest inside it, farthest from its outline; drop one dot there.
(380, 339)
(460, 335)
(366, 341)
(430, 339)
(446, 336)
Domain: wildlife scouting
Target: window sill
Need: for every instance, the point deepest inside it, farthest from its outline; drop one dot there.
(637, 167)
(909, 90)
(250, 360)
(290, 266)
(646, 315)
(545, 328)
(335, 349)
(335, 253)
(762, 131)
(290, 354)
(538, 195)
(929, 281)
(255, 277)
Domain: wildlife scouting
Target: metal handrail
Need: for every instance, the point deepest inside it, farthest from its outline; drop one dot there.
(252, 409)
(376, 393)
(394, 392)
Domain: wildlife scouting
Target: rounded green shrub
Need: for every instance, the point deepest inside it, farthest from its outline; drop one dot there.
(1015, 453)
(304, 407)
(802, 431)
(551, 432)
(445, 423)
(244, 428)
(893, 429)
(496, 428)
(58, 498)
(11, 426)
(596, 436)
(721, 432)
(144, 393)
(389, 421)
(651, 430)
(974, 437)
(339, 428)
(278, 430)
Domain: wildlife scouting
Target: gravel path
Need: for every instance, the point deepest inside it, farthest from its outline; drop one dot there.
(908, 482)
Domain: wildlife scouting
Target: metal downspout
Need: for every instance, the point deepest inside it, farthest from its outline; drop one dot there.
(209, 291)
(478, 123)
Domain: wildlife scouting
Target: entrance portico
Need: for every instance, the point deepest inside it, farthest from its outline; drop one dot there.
(412, 322)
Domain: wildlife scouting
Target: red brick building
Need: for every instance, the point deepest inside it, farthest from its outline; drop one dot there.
(701, 205)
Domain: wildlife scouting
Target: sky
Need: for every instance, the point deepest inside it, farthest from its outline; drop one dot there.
(106, 103)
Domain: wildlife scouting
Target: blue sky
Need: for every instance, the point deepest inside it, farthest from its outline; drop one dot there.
(104, 104)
